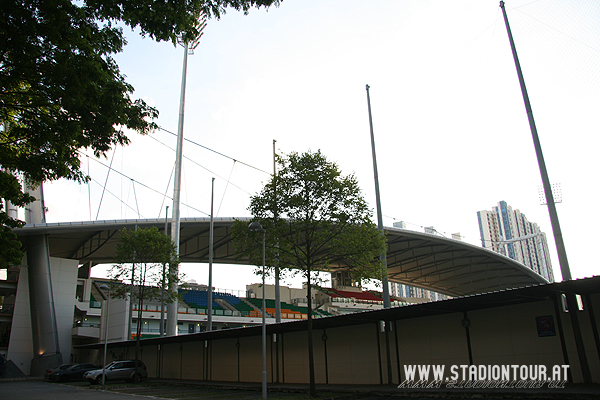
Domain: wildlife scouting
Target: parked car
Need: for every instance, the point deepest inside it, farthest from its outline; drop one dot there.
(57, 368)
(73, 373)
(117, 370)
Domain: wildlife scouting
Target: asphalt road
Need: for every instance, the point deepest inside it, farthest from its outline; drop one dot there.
(36, 389)
(40, 390)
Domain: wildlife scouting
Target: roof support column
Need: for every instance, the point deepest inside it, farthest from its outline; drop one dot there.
(44, 331)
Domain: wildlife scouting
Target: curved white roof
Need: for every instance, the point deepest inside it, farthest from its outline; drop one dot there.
(418, 259)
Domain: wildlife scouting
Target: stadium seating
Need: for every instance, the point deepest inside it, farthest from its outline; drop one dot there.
(197, 298)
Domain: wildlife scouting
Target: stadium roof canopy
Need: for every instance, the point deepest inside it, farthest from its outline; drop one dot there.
(428, 261)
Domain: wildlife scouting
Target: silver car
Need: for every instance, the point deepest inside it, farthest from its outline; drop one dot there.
(118, 370)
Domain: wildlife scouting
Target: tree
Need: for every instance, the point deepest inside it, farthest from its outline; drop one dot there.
(142, 256)
(314, 217)
(61, 91)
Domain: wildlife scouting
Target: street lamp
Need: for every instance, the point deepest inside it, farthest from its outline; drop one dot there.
(105, 288)
(257, 227)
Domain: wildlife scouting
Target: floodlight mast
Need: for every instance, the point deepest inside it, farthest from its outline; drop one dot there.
(558, 239)
(189, 46)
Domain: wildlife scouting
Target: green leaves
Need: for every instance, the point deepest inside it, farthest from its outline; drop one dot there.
(148, 261)
(166, 20)
(60, 89)
(145, 246)
(314, 217)
(142, 255)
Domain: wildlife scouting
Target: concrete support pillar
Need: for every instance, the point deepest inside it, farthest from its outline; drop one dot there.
(44, 329)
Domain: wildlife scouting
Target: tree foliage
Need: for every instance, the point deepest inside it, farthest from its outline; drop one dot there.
(144, 257)
(145, 252)
(61, 91)
(314, 218)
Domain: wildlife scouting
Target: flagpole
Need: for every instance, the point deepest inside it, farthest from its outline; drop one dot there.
(382, 256)
(276, 266)
(210, 257)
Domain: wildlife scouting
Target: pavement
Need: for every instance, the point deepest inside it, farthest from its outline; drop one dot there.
(339, 392)
(190, 389)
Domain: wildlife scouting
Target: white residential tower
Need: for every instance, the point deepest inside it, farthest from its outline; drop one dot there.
(507, 231)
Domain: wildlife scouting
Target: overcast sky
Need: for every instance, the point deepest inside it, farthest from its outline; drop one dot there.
(451, 131)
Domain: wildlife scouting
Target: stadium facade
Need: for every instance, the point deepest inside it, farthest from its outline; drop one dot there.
(50, 303)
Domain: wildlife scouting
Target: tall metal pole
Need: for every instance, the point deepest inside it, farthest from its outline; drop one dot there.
(105, 287)
(277, 287)
(257, 227)
(162, 290)
(210, 257)
(382, 256)
(175, 226)
(131, 289)
(560, 245)
(264, 326)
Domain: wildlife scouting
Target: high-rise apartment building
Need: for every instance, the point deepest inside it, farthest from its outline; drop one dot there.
(407, 291)
(508, 232)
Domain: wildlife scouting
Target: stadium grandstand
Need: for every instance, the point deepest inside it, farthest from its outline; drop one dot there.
(230, 309)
